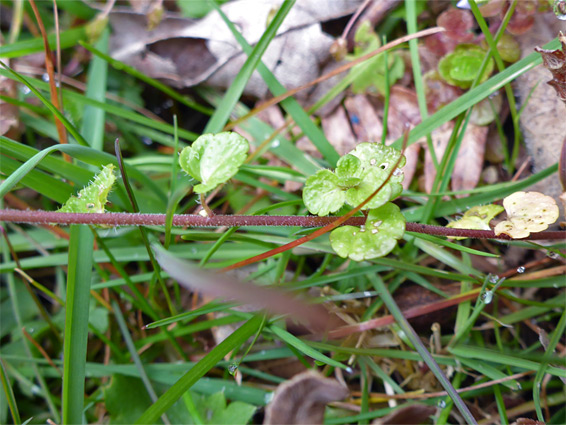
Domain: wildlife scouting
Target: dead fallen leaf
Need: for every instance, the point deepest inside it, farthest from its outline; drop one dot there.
(9, 114)
(363, 118)
(440, 137)
(302, 400)
(336, 127)
(555, 62)
(184, 52)
(469, 162)
(542, 120)
(413, 414)
(527, 421)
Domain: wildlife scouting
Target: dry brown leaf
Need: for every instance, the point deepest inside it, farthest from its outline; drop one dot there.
(527, 421)
(336, 127)
(440, 137)
(404, 109)
(469, 162)
(542, 120)
(413, 414)
(184, 52)
(9, 114)
(363, 118)
(302, 399)
(555, 62)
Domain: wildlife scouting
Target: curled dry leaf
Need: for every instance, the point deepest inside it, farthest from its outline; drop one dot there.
(413, 414)
(184, 52)
(302, 400)
(555, 62)
(527, 212)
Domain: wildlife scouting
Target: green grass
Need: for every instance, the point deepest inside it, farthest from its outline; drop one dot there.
(116, 319)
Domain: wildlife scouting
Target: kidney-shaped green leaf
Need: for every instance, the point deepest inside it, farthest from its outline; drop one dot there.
(214, 158)
(384, 226)
(322, 194)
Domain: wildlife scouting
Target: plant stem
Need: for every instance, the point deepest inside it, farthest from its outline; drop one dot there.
(189, 220)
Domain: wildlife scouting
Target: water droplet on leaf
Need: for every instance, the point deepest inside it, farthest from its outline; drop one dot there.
(232, 368)
(487, 297)
(520, 269)
(553, 255)
(493, 278)
(441, 404)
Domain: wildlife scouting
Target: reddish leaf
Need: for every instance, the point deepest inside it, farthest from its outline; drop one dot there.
(459, 24)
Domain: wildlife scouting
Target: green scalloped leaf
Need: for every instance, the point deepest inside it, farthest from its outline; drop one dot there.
(214, 158)
(349, 171)
(384, 227)
(358, 174)
(375, 156)
(322, 194)
(461, 67)
(93, 197)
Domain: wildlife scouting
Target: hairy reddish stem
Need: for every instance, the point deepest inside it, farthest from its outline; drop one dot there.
(128, 219)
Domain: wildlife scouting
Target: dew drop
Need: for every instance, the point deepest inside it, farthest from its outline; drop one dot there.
(354, 233)
(372, 161)
(232, 368)
(487, 297)
(560, 9)
(377, 223)
(520, 269)
(553, 255)
(25, 90)
(441, 404)
(146, 141)
(349, 370)
(35, 389)
(268, 397)
(367, 293)
(45, 77)
(362, 228)
(493, 278)
(275, 144)
(397, 172)
(374, 231)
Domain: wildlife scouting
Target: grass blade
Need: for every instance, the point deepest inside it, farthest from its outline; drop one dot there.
(416, 341)
(174, 393)
(223, 111)
(76, 323)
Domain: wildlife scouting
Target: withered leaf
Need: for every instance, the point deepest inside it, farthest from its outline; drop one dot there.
(527, 421)
(302, 399)
(407, 415)
(555, 62)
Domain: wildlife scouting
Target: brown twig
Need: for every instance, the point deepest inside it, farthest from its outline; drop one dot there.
(190, 220)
